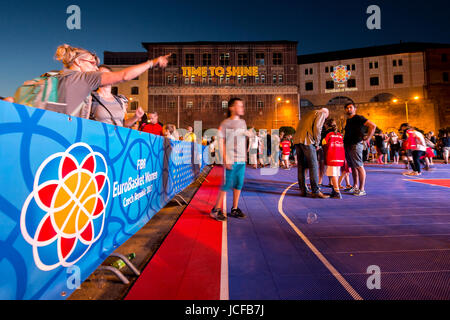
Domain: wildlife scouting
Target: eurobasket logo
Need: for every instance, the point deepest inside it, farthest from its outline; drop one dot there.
(340, 74)
(65, 213)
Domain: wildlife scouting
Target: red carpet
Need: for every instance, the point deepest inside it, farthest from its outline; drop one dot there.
(187, 265)
(434, 182)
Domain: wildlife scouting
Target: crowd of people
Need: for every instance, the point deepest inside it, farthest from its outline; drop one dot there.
(317, 148)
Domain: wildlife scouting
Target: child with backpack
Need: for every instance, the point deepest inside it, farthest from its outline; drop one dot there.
(333, 145)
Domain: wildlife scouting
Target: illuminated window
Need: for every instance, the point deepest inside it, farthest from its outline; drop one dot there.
(224, 59)
(189, 105)
(224, 104)
(260, 59)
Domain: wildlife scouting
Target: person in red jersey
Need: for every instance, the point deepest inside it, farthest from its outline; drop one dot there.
(286, 150)
(334, 156)
(153, 125)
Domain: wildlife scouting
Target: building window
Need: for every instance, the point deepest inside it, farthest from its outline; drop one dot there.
(309, 86)
(329, 84)
(239, 79)
(171, 105)
(203, 80)
(400, 62)
(310, 71)
(277, 58)
(374, 81)
(190, 61)
(221, 79)
(192, 80)
(134, 90)
(224, 104)
(173, 60)
(227, 79)
(280, 78)
(242, 59)
(348, 67)
(398, 78)
(134, 105)
(186, 80)
(260, 104)
(174, 79)
(224, 59)
(445, 76)
(274, 79)
(394, 63)
(244, 79)
(351, 83)
(444, 57)
(169, 79)
(115, 91)
(189, 105)
(370, 65)
(376, 64)
(257, 79)
(206, 61)
(326, 70)
(263, 78)
(260, 59)
(306, 71)
(353, 67)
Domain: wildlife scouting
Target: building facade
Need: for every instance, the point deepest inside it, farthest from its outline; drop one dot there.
(415, 75)
(277, 85)
(202, 76)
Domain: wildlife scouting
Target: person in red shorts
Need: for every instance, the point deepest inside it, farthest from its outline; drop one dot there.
(153, 125)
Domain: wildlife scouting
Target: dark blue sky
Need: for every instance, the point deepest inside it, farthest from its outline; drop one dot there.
(30, 31)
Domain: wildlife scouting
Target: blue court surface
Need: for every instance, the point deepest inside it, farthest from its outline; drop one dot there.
(401, 227)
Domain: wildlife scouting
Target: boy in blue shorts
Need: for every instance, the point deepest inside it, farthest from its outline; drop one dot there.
(232, 134)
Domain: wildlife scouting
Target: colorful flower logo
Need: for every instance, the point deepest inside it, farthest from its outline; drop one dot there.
(64, 214)
(340, 74)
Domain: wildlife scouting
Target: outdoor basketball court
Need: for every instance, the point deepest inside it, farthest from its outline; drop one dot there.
(402, 227)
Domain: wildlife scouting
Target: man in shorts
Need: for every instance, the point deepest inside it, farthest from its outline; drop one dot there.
(232, 142)
(355, 129)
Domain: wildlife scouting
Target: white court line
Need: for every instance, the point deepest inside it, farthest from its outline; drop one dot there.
(224, 284)
(319, 255)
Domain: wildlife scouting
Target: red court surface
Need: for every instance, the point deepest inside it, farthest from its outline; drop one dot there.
(434, 182)
(187, 265)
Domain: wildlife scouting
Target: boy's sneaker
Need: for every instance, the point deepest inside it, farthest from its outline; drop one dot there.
(217, 214)
(237, 213)
(352, 189)
(360, 193)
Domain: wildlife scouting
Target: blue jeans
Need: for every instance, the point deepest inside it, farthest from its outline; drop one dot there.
(307, 158)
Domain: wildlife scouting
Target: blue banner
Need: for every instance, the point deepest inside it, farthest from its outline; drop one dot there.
(73, 190)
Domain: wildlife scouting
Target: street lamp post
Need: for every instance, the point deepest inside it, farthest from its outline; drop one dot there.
(406, 105)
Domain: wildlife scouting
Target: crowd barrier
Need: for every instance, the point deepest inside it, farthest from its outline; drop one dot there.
(73, 190)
